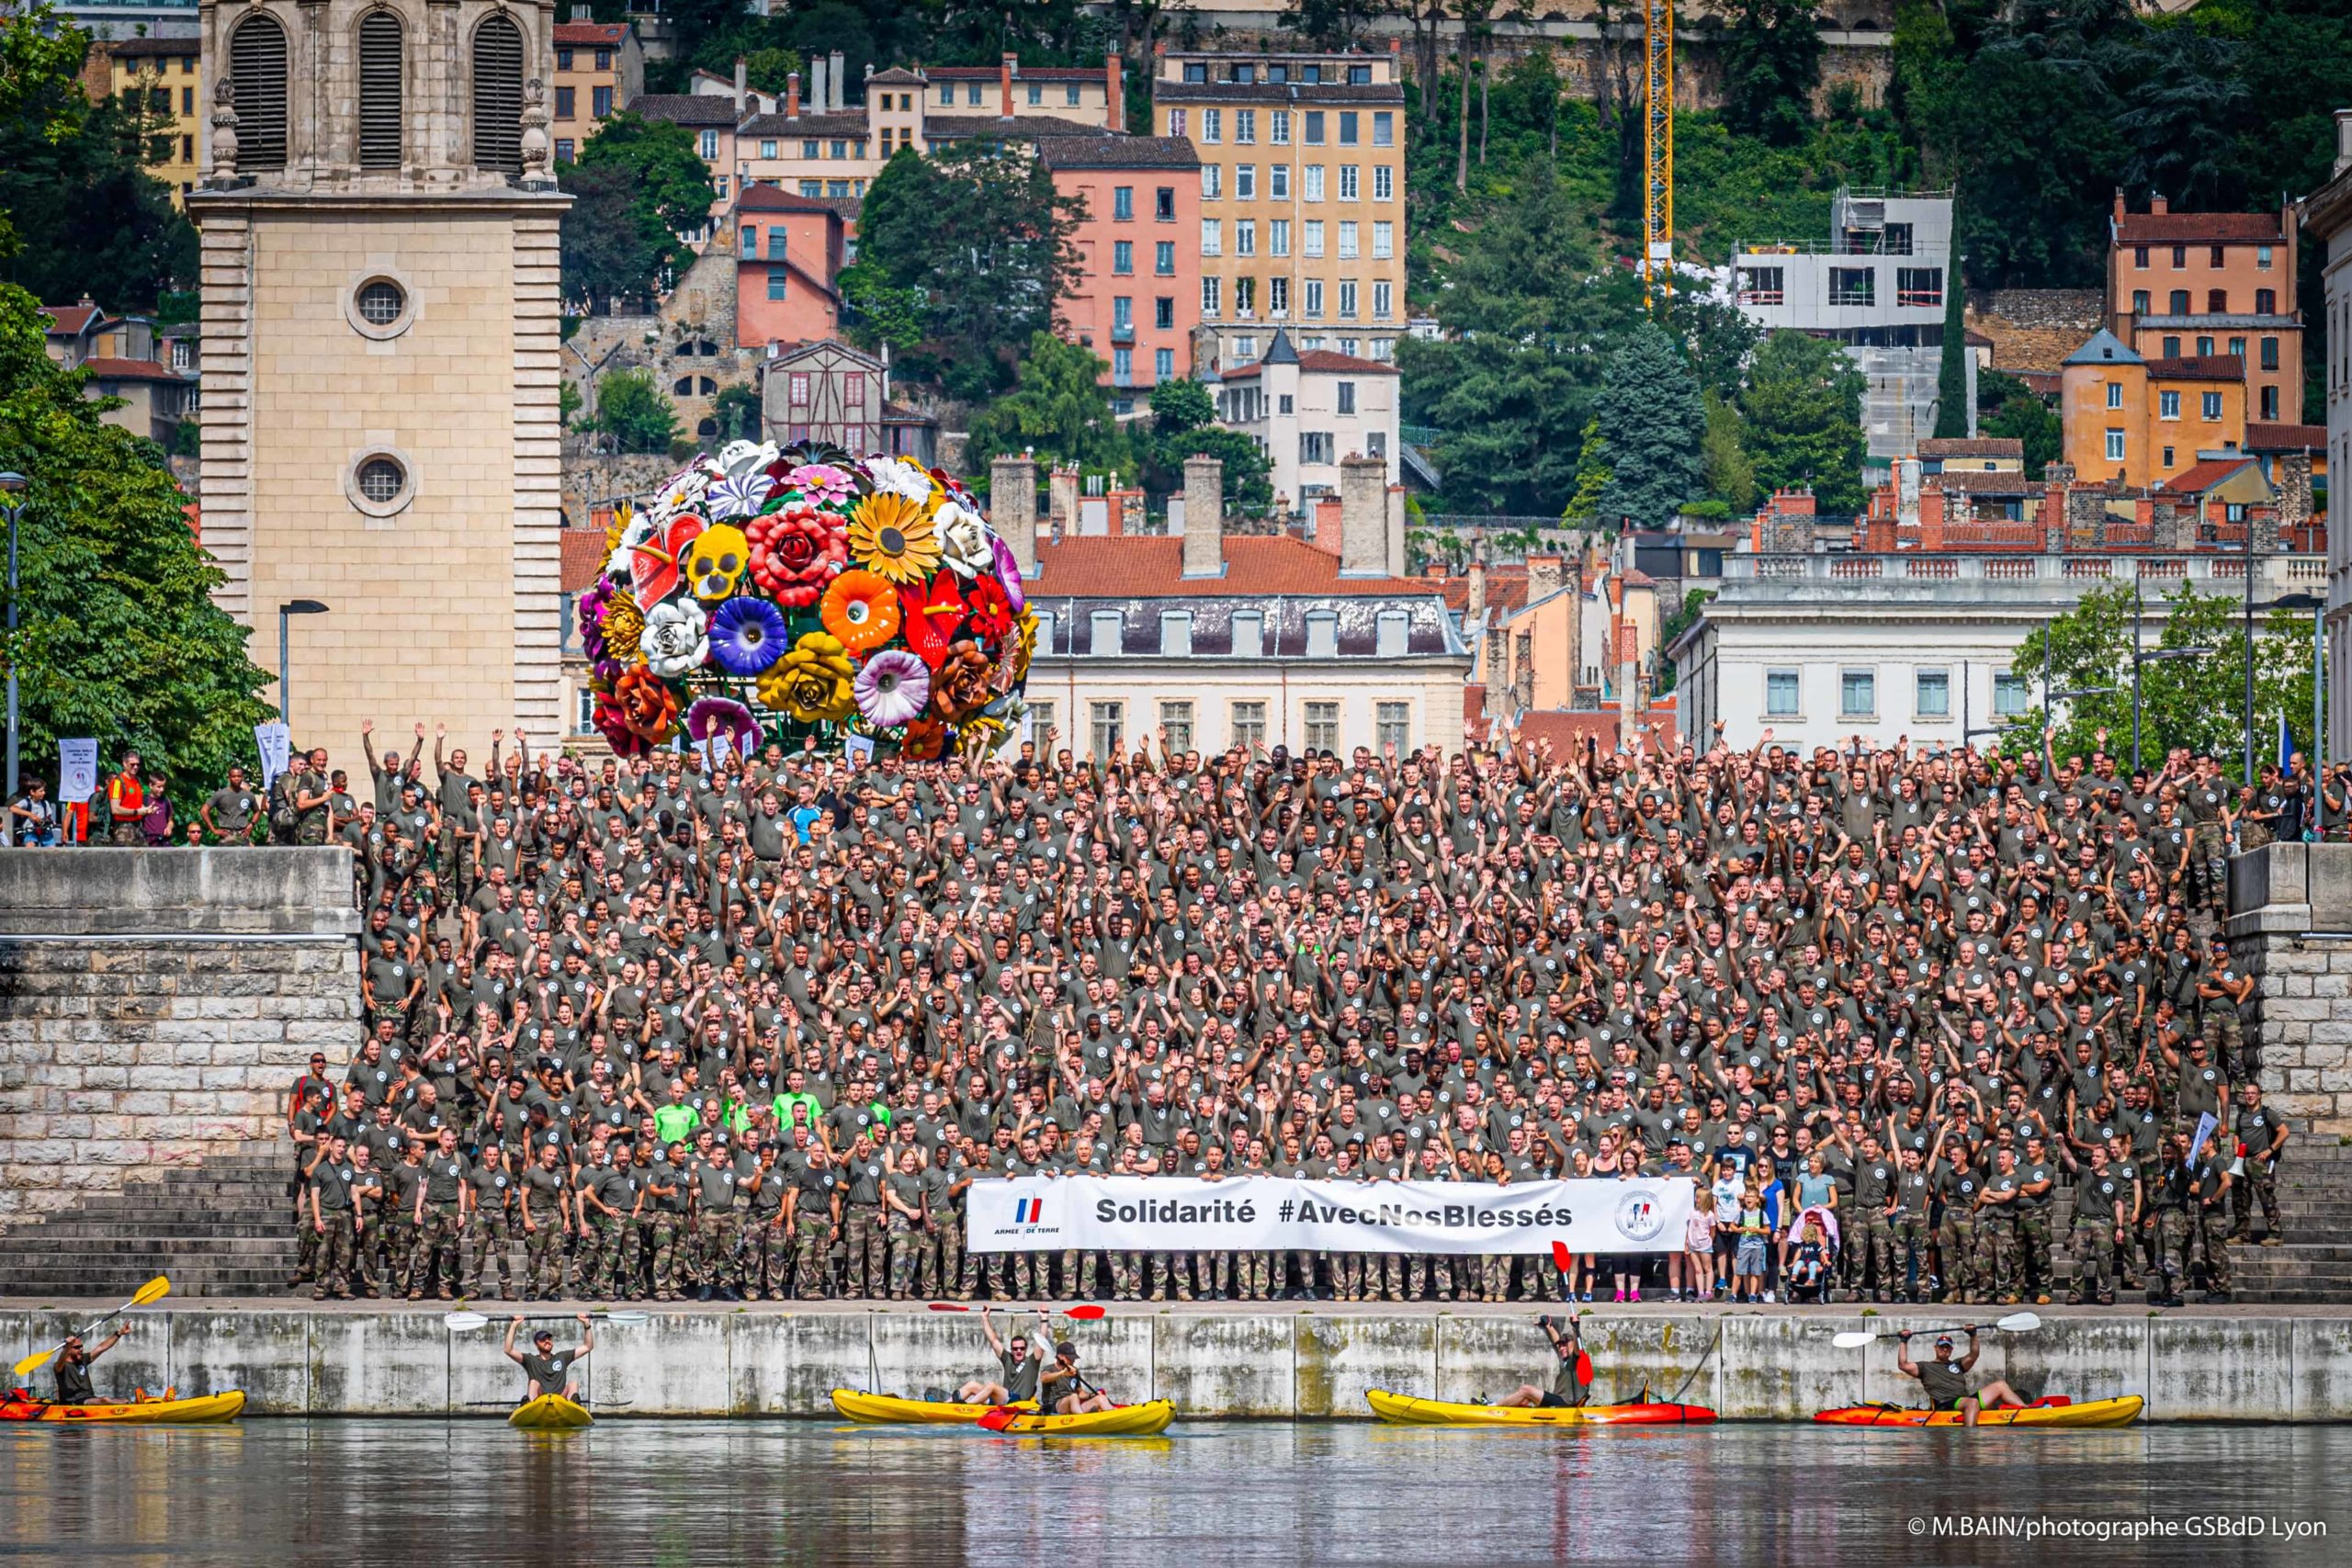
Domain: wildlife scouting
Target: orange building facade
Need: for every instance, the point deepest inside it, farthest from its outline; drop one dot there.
(1137, 296)
(2210, 285)
(2143, 422)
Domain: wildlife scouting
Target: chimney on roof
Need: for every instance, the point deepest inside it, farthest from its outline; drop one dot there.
(742, 82)
(1061, 501)
(2120, 211)
(2158, 205)
(1475, 606)
(1005, 67)
(1203, 517)
(1114, 94)
(816, 85)
(838, 74)
(2343, 139)
(792, 95)
(1544, 575)
(582, 12)
(1364, 516)
(1012, 509)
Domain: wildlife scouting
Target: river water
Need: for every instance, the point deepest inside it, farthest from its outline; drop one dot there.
(470, 1492)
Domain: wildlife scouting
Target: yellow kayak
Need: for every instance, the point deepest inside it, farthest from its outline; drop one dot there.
(1404, 1411)
(550, 1413)
(142, 1412)
(1125, 1421)
(2053, 1413)
(889, 1409)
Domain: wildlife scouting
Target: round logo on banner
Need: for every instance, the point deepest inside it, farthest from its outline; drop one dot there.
(1640, 1215)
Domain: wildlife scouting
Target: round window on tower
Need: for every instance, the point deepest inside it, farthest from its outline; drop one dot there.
(381, 305)
(379, 482)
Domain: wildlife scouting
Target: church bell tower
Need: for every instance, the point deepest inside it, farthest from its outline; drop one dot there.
(382, 315)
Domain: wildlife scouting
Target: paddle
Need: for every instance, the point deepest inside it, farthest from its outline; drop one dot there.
(2016, 1323)
(1085, 1313)
(463, 1322)
(154, 1289)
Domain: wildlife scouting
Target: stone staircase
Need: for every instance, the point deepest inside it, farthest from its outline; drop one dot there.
(223, 1227)
(2315, 1266)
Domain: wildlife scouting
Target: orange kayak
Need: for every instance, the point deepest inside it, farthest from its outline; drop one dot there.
(1404, 1411)
(2058, 1411)
(140, 1412)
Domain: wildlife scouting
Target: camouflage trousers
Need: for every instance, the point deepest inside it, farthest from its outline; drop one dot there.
(663, 1246)
(1165, 1272)
(2033, 1252)
(547, 1261)
(1126, 1276)
(1013, 1275)
(2209, 856)
(767, 1259)
(2092, 1244)
(1872, 1243)
(865, 1255)
(488, 1236)
(812, 1247)
(2225, 1033)
(2182, 1237)
(600, 1249)
(715, 1233)
(2258, 1187)
(1255, 1275)
(1425, 1270)
(436, 1253)
(337, 1245)
(906, 1248)
(1956, 1249)
(1213, 1273)
(943, 1258)
(1996, 1256)
(1908, 1251)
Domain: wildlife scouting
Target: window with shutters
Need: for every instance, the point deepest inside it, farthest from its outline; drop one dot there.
(380, 91)
(498, 96)
(257, 73)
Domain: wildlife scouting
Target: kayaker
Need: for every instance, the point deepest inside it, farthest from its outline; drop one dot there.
(74, 1367)
(550, 1369)
(1570, 1388)
(1946, 1379)
(1069, 1394)
(1019, 1383)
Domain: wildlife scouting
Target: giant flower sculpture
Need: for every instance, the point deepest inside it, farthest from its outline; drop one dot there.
(864, 597)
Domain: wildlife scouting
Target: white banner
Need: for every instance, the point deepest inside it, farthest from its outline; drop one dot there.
(277, 746)
(77, 770)
(1176, 1213)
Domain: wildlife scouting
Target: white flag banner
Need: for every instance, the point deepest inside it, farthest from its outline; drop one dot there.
(1273, 1213)
(78, 771)
(277, 746)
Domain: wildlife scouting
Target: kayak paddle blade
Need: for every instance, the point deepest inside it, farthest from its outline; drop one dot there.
(948, 1306)
(999, 1418)
(464, 1322)
(1853, 1339)
(1560, 1255)
(1584, 1367)
(154, 1289)
(2019, 1323)
(1088, 1314)
(626, 1319)
(35, 1361)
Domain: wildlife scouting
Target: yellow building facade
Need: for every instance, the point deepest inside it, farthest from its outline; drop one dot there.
(165, 75)
(2143, 421)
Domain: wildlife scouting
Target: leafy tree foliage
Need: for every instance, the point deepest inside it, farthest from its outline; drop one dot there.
(1803, 411)
(632, 408)
(1183, 425)
(639, 184)
(1652, 427)
(1770, 53)
(1057, 409)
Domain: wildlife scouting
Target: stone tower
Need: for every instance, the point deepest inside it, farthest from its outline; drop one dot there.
(381, 321)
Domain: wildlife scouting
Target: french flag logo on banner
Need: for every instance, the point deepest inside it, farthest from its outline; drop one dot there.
(1028, 1211)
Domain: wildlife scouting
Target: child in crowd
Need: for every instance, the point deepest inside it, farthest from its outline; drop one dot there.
(1747, 1268)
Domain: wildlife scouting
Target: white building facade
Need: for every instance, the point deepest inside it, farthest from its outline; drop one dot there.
(1310, 410)
(2327, 217)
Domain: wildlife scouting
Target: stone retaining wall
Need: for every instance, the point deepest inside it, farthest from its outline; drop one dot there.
(1297, 1364)
(2291, 924)
(155, 1006)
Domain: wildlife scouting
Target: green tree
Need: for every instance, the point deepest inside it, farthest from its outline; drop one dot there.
(1803, 411)
(1652, 427)
(639, 184)
(1528, 308)
(1183, 425)
(2016, 411)
(1583, 510)
(1951, 366)
(85, 216)
(1722, 458)
(875, 314)
(984, 242)
(120, 638)
(1770, 54)
(632, 408)
(736, 410)
(1057, 409)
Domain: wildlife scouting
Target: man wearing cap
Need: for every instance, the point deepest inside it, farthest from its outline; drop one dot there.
(1946, 1381)
(548, 1369)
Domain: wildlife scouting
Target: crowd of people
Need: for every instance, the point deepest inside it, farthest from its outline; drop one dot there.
(638, 1029)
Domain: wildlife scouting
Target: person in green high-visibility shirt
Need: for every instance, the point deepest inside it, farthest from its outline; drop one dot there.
(795, 1097)
(675, 1122)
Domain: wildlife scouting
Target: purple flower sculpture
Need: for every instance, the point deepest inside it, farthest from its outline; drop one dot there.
(747, 636)
(893, 688)
(725, 720)
(1008, 571)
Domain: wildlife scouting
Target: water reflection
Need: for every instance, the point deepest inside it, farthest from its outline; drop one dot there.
(682, 1493)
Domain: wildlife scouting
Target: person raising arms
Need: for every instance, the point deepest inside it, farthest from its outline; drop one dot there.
(1946, 1381)
(1571, 1374)
(1019, 1383)
(548, 1369)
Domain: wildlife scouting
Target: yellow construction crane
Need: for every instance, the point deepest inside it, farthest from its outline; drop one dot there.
(1657, 150)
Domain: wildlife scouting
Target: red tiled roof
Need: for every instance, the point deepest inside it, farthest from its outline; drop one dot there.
(2286, 438)
(764, 198)
(2202, 476)
(1121, 567)
(1506, 588)
(1324, 360)
(1972, 447)
(133, 370)
(2199, 368)
(603, 34)
(583, 558)
(2197, 228)
(1566, 731)
(69, 319)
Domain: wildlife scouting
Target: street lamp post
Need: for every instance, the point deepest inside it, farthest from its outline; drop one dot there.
(285, 663)
(12, 487)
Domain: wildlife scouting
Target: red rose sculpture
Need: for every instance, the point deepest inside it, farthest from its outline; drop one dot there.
(796, 552)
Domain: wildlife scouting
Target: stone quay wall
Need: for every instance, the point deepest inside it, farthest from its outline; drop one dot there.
(1213, 1364)
(2291, 924)
(156, 1006)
